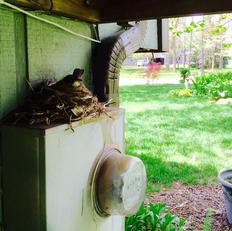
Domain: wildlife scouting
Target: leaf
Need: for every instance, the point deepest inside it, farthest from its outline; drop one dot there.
(193, 24)
(153, 217)
(168, 218)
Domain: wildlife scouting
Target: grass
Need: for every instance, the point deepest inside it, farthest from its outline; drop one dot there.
(184, 139)
(137, 72)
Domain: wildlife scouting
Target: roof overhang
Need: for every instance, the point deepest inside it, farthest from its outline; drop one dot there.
(98, 11)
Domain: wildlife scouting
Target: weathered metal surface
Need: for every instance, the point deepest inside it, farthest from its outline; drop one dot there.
(151, 36)
(48, 173)
(115, 49)
(120, 183)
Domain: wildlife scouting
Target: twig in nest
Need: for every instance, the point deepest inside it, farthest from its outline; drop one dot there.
(64, 102)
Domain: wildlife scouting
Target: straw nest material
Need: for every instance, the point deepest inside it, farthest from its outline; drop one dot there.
(66, 101)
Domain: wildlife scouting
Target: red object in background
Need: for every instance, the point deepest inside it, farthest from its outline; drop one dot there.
(152, 68)
(152, 71)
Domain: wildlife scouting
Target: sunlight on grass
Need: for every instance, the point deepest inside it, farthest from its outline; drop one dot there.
(177, 138)
(138, 72)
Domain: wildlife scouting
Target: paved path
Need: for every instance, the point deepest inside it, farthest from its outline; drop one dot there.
(141, 81)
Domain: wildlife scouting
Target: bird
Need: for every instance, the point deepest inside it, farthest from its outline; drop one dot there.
(72, 84)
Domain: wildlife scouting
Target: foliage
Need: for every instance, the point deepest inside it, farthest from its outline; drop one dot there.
(214, 85)
(200, 41)
(218, 30)
(227, 45)
(181, 92)
(208, 220)
(154, 217)
(184, 72)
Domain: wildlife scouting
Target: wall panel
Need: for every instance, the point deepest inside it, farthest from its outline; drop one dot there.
(53, 53)
(12, 60)
(33, 50)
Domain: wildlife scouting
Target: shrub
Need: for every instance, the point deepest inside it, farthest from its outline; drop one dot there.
(181, 93)
(214, 85)
(153, 217)
(184, 72)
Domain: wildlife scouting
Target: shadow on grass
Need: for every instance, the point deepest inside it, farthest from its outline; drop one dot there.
(179, 139)
(165, 173)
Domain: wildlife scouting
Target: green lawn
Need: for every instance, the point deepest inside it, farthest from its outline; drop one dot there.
(185, 139)
(137, 72)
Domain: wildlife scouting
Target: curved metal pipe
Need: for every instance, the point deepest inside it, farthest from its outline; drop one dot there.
(110, 56)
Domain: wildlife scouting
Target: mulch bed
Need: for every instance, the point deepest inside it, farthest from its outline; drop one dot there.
(191, 203)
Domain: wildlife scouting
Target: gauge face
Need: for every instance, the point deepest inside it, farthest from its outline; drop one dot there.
(134, 186)
(119, 184)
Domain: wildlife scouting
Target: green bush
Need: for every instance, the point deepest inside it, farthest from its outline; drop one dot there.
(181, 92)
(153, 217)
(214, 85)
(184, 72)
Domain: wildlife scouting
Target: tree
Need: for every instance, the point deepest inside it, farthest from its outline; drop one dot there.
(203, 40)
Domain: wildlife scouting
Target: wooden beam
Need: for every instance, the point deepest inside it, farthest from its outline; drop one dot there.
(129, 10)
(76, 9)
(126, 10)
(35, 4)
(73, 9)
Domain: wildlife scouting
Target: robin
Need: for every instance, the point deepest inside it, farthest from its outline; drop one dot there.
(72, 84)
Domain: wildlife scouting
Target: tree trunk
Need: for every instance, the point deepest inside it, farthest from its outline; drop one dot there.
(184, 51)
(213, 59)
(221, 55)
(190, 49)
(178, 62)
(202, 51)
(184, 58)
(168, 61)
(174, 53)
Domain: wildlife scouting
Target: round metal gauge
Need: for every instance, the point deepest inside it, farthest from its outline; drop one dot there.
(119, 183)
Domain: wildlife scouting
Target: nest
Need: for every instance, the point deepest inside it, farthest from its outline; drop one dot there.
(63, 102)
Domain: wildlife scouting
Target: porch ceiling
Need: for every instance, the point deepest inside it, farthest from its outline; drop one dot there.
(126, 10)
